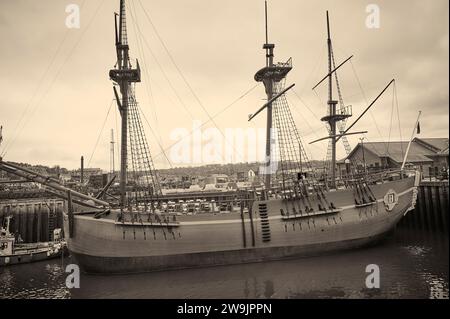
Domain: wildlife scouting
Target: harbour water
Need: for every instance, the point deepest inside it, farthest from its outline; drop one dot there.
(412, 263)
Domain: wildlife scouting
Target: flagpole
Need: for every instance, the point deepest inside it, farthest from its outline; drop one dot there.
(1, 138)
(409, 144)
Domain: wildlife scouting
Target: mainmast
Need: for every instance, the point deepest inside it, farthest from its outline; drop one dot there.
(123, 75)
(331, 109)
(268, 83)
(269, 75)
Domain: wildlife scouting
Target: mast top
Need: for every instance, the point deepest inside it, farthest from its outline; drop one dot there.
(123, 39)
(265, 13)
(124, 74)
(271, 72)
(267, 46)
(328, 27)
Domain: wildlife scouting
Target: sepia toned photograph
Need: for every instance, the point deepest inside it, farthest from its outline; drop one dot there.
(224, 155)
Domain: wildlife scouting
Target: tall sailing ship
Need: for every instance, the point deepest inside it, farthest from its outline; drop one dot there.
(300, 214)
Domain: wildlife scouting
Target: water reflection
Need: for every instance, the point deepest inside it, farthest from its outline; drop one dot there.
(38, 280)
(411, 265)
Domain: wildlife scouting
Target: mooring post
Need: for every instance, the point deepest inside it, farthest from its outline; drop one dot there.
(423, 207)
(417, 211)
(242, 199)
(443, 205)
(434, 201)
(70, 213)
(250, 213)
(429, 211)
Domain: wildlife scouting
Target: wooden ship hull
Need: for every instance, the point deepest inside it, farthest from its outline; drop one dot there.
(271, 230)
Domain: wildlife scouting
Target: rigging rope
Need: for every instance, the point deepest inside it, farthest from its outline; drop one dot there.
(304, 120)
(57, 74)
(323, 125)
(367, 102)
(148, 88)
(390, 124)
(386, 145)
(291, 151)
(341, 124)
(141, 159)
(40, 82)
(317, 66)
(118, 141)
(159, 144)
(100, 133)
(207, 121)
(172, 87)
(140, 40)
(398, 116)
(211, 119)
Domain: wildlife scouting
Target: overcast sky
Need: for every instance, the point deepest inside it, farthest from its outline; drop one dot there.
(55, 89)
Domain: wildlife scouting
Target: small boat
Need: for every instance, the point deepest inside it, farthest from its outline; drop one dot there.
(12, 253)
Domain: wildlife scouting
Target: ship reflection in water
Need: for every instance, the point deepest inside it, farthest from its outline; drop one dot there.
(412, 265)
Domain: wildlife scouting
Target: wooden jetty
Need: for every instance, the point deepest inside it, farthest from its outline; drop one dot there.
(33, 219)
(431, 212)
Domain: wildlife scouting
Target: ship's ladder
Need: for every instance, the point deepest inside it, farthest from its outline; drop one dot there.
(51, 219)
(265, 226)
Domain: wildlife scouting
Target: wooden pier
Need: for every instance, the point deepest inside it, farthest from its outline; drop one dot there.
(431, 211)
(33, 219)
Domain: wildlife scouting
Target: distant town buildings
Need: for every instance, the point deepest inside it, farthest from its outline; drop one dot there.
(98, 180)
(87, 172)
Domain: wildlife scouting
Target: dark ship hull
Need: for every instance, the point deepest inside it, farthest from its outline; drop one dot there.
(273, 229)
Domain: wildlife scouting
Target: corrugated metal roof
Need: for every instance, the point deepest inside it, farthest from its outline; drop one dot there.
(444, 153)
(396, 151)
(438, 143)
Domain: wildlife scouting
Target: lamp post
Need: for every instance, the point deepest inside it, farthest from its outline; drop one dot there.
(347, 167)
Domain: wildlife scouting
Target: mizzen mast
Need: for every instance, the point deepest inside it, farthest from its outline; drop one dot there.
(333, 116)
